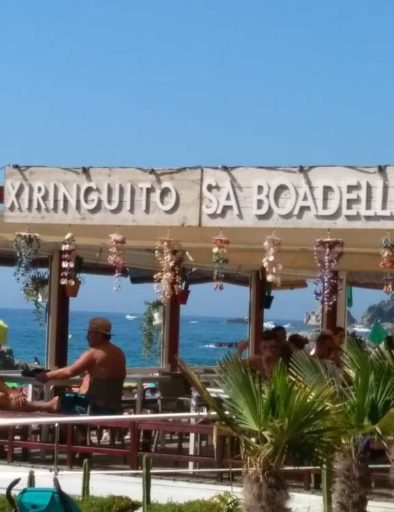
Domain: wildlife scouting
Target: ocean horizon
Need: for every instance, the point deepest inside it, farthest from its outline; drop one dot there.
(200, 336)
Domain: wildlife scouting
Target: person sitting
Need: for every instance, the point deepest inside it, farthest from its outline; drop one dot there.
(297, 342)
(324, 345)
(105, 365)
(265, 361)
(324, 349)
(15, 400)
(284, 348)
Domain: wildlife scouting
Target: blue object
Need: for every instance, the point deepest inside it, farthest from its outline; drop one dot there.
(74, 403)
(36, 499)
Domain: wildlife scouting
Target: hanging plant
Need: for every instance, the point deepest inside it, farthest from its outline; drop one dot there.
(327, 253)
(387, 263)
(26, 246)
(271, 260)
(34, 283)
(67, 261)
(35, 290)
(116, 257)
(169, 258)
(219, 259)
(151, 328)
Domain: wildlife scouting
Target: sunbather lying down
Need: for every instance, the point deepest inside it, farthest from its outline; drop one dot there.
(15, 400)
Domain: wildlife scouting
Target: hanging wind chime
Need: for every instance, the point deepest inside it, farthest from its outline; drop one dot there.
(327, 253)
(67, 261)
(387, 263)
(168, 278)
(220, 259)
(271, 260)
(116, 258)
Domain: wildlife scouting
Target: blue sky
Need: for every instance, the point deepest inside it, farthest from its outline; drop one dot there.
(174, 83)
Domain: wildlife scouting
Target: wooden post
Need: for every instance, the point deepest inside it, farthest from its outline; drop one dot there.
(171, 333)
(256, 311)
(330, 315)
(58, 316)
(342, 301)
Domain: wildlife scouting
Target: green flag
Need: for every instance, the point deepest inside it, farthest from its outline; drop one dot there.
(349, 296)
(377, 334)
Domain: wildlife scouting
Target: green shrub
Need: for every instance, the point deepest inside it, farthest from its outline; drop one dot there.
(94, 504)
(228, 502)
(108, 504)
(189, 506)
(4, 507)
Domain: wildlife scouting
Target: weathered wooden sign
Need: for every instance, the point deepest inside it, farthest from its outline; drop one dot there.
(346, 197)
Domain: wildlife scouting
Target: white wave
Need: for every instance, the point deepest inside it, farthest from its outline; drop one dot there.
(193, 322)
(131, 317)
(269, 325)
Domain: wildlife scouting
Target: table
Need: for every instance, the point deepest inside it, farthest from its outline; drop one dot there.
(139, 379)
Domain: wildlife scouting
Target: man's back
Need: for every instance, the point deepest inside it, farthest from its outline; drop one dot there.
(107, 374)
(108, 361)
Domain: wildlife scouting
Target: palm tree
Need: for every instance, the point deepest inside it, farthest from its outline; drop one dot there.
(275, 422)
(364, 398)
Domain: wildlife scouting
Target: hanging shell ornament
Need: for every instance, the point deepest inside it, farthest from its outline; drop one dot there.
(67, 260)
(272, 259)
(115, 258)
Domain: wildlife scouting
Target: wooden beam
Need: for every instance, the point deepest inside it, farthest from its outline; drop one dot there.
(58, 318)
(171, 334)
(329, 317)
(256, 311)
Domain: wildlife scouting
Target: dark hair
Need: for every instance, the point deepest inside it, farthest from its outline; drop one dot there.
(268, 335)
(278, 328)
(337, 330)
(324, 336)
(298, 340)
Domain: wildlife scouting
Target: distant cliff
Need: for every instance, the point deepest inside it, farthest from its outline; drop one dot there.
(350, 318)
(381, 312)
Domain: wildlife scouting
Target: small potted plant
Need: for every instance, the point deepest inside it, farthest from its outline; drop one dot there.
(35, 290)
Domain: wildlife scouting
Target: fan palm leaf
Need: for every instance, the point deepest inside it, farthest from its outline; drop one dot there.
(276, 421)
(364, 399)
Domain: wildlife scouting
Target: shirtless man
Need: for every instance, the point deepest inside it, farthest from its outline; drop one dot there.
(105, 365)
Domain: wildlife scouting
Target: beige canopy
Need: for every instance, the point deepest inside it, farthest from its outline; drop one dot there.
(246, 204)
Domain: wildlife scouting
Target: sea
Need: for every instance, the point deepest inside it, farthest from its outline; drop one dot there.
(203, 339)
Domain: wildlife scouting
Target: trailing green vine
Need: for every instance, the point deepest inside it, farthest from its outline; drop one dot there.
(27, 274)
(151, 329)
